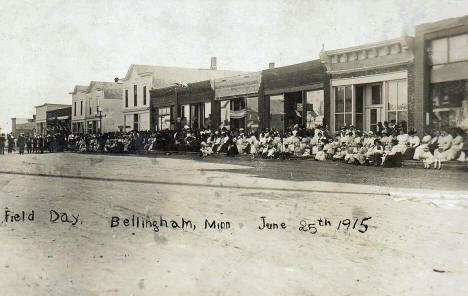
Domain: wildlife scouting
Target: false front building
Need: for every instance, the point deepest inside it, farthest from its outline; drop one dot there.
(44, 120)
(140, 79)
(79, 108)
(294, 95)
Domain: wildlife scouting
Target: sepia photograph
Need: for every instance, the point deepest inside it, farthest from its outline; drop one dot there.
(221, 147)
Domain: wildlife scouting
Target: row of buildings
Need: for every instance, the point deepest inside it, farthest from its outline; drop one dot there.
(420, 82)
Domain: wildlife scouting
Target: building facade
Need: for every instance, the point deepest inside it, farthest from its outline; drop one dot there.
(236, 102)
(27, 126)
(140, 79)
(441, 68)
(59, 120)
(79, 108)
(103, 111)
(179, 106)
(294, 95)
(371, 84)
(41, 116)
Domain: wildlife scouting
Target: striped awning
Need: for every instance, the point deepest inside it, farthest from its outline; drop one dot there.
(238, 114)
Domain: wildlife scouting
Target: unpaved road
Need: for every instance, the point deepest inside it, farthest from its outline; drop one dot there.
(415, 243)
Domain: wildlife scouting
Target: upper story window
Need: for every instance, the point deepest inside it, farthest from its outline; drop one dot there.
(74, 109)
(449, 50)
(81, 107)
(126, 98)
(135, 97)
(144, 95)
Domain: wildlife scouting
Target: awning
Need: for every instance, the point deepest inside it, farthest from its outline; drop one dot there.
(293, 78)
(194, 93)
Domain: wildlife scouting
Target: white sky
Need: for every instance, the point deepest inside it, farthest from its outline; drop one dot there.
(47, 47)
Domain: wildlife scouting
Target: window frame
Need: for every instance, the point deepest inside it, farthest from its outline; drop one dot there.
(135, 95)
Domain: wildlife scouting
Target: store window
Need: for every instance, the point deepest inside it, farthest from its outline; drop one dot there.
(343, 106)
(314, 108)
(277, 113)
(359, 108)
(450, 104)
(253, 118)
(195, 116)
(225, 113)
(397, 101)
(207, 120)
(164, 118)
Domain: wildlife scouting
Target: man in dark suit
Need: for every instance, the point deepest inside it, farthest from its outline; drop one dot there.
(2, 143)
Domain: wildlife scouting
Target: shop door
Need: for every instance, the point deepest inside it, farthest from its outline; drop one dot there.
(375, 116)
(373, 105)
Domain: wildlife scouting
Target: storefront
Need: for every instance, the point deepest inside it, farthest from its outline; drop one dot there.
(369, 84)
(294, 95)
(163, 108)
(78, 127)
(237, 102)
(195, 103)
(59, 120)
(442, 63)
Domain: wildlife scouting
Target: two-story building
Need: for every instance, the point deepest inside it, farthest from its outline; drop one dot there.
(441, 68)
(140, 79)
(371, 83)
(79, 108)
(103, 107)
(41, 115)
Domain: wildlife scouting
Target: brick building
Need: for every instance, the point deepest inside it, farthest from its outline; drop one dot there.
(371, 83)
(441, 68)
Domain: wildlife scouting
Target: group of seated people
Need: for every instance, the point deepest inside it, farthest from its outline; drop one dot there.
(388, 146)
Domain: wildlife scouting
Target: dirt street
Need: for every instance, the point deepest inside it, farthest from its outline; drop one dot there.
(326, 238)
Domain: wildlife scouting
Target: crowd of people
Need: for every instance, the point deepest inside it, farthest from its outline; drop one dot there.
(51, 142)
(388, 146)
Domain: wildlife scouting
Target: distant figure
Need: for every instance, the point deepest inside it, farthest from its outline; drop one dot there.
(41, 143)
(2, 143)
(29, 145)
(35, 144)
(11, 143)
(20, 142)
